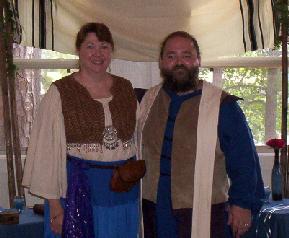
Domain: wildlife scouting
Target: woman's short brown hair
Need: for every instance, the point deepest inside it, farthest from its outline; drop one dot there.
(101, 31)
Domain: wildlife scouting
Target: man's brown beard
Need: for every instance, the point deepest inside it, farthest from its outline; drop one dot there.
(180, 79)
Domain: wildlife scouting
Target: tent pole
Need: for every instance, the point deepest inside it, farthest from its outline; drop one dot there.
(284, 152)
(5, 100)
(12, 102)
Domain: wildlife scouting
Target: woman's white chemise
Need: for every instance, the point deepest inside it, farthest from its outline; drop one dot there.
(45, 166)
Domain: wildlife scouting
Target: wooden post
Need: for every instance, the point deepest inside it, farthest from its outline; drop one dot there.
(6, 104)
(284, 151)
(13, 111)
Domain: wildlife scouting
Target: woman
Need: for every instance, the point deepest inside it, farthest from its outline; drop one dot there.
(84, 128)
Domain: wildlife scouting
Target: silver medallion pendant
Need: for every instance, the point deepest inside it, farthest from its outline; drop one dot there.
(110, 140)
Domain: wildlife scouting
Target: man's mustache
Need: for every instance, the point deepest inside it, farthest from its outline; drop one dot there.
(179, 66)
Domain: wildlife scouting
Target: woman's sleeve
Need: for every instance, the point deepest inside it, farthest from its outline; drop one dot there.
(45, 166)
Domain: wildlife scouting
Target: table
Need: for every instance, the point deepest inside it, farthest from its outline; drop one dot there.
(30, 226)
(273, 220)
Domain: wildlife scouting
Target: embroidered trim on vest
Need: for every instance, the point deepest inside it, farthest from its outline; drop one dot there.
(84, 117)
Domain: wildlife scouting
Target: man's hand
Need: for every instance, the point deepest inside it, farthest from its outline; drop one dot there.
(239, 220)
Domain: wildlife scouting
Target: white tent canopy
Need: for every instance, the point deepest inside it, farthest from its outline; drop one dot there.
(138, 26)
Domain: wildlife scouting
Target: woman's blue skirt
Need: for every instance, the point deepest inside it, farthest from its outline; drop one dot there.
(114, 214)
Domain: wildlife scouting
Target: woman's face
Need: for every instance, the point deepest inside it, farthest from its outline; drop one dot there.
(94, 55)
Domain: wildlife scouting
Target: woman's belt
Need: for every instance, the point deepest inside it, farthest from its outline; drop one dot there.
(103, 166)
(97, 166)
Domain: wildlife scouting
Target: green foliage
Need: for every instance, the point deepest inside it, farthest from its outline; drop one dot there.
(249, 84)
(47, 81)
(8, 24)
(50, 76)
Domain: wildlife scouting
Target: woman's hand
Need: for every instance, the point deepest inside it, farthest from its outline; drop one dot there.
(56, 216)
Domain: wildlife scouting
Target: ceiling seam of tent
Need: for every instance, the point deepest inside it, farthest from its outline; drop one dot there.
(252, 33)
(52, 25)
(42, 24)
(260, 25)
(242, 14)
(33, 43)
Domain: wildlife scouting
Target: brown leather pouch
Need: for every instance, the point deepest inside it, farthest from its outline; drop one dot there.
(125, 176)
(38, 209)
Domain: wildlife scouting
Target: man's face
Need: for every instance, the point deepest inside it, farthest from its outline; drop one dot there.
(179, 65)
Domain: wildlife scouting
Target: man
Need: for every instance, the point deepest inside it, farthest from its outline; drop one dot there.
(194, 136)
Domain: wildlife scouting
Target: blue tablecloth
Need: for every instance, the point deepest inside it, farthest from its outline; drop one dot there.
(273, 220)
(30, 226)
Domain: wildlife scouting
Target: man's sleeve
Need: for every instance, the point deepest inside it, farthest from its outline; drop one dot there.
(242, 163)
